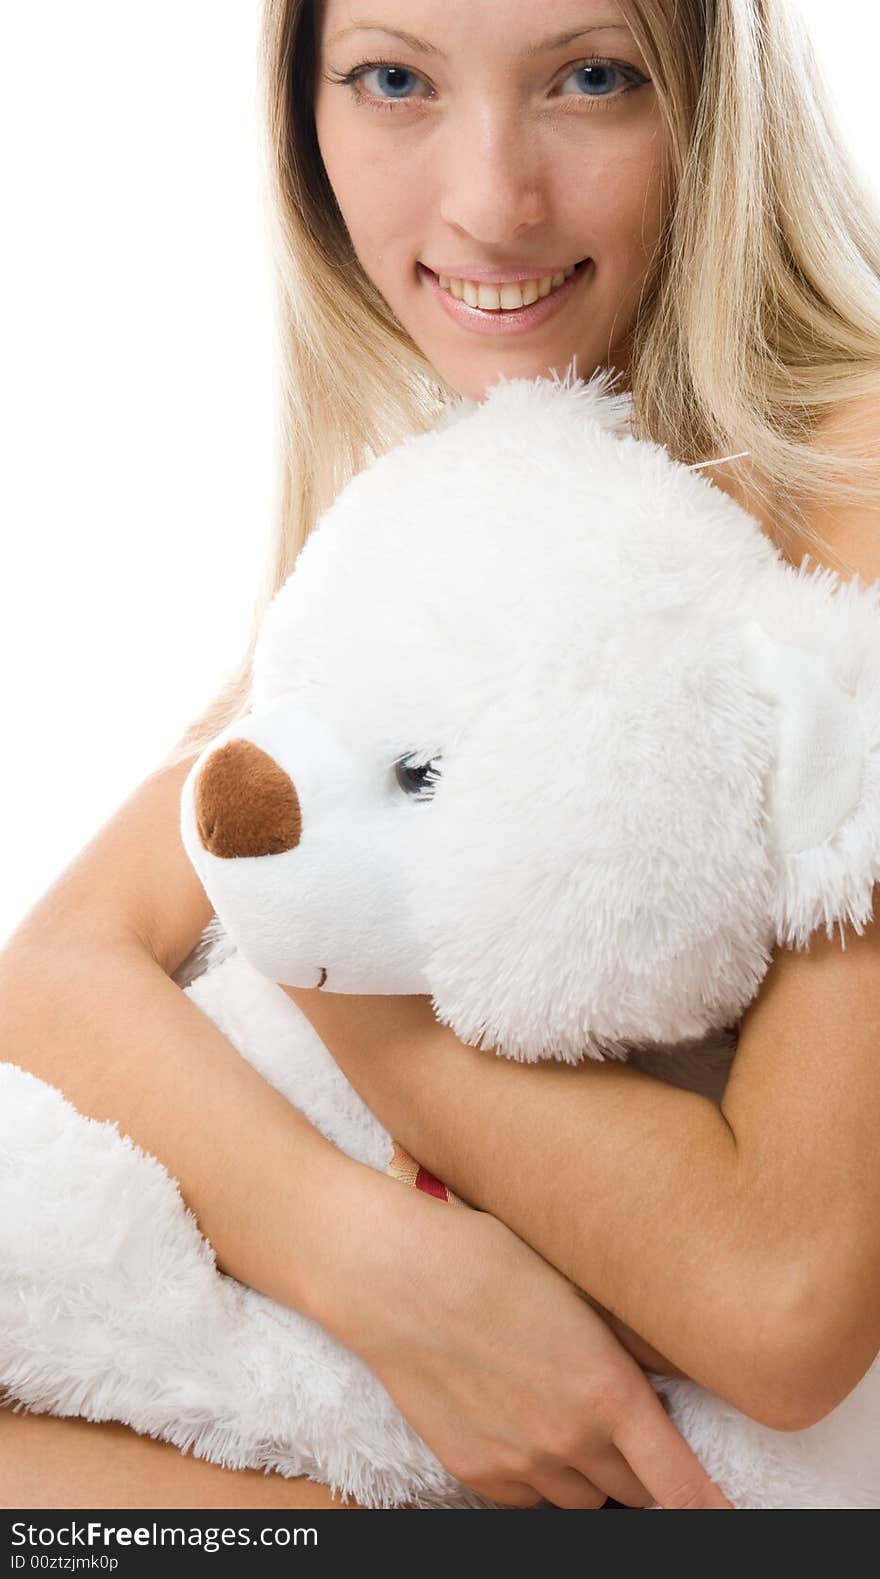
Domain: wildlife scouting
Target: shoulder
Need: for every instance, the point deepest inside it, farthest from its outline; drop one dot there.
(845, 536)
(856, 417)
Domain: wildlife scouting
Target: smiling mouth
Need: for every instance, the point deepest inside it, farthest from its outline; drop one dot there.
(323, 977)
(527, 290)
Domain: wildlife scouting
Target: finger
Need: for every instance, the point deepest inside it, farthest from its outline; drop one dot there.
(613, 1474)
(662, 1460)
(567, 1488)
(509, 1493)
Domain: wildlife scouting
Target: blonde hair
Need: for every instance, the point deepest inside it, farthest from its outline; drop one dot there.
(760, 312)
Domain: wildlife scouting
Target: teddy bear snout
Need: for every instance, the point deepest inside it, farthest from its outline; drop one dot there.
(245, 804)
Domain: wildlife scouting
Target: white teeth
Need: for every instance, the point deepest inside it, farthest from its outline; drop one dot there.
(503, 298)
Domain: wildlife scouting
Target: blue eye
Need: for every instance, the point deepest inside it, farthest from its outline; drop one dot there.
(376, 101)
(393, 71)
(599, 76)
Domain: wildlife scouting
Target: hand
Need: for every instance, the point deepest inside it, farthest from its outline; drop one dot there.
(495, 1359)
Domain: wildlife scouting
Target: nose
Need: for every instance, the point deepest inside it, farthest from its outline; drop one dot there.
(245, 804)
(495, 190)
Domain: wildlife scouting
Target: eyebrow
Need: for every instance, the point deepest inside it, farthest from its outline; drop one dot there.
(556, 41)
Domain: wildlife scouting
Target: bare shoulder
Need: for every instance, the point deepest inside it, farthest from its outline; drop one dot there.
(855, 418)
(133, 879)
(849, 533)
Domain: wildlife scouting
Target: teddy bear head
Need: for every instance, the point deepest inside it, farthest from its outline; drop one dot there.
(543, 726)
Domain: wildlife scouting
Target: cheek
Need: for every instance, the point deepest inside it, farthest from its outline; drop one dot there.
(362, 181)
(336, 148)
(340, 143)
(625, 197)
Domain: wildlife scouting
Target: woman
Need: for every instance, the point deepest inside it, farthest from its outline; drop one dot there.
(732, 274)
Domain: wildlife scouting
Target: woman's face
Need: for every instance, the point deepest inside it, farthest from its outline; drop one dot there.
(486, 152)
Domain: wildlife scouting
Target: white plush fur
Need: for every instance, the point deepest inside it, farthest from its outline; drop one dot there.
(657, 750)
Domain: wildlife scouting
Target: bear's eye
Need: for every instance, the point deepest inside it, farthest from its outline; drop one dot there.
(417, 780)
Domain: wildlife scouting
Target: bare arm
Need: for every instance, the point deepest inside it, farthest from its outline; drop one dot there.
(87, 1005)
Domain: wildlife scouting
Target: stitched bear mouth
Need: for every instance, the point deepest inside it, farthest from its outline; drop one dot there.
(323, 977)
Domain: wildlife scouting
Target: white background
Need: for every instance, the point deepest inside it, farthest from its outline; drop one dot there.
(137, 392)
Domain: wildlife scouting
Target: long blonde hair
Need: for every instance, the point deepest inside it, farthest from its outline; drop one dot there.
(761, 310)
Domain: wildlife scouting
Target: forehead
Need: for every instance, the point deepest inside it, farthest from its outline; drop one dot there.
(439, 27)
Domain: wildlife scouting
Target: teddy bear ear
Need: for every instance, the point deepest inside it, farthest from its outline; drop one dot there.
(823, 794)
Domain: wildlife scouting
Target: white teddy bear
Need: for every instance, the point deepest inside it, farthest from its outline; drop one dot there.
(544, 727)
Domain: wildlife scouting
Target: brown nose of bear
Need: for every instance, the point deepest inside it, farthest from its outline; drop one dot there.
(245, 804)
